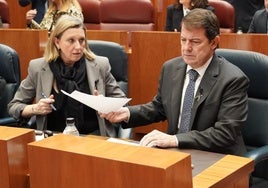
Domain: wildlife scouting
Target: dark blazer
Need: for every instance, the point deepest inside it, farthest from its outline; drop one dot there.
(39, 5)
(244, 11)
(259, 22)
(219, 110)
(174, 17)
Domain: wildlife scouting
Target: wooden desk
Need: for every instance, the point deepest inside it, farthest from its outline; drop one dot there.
(230, 171)
(210, 169)
(216, 169)
(28, 43)
(13, 156)
(68, 161)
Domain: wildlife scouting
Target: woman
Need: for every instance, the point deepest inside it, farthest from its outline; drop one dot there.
(55, 10)
(38, 9)
(179, 9)
(67, 65)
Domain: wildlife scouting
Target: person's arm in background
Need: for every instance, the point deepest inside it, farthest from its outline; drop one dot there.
(169, 21)
(24, 3)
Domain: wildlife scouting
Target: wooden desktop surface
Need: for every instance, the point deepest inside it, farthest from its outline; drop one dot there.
(209, 169)
(69, 161)
(215, 169)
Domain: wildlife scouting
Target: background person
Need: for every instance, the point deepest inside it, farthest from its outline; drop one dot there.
(56, 9)
(244, 11)
(259, 23)
(180, 8)
(219, 109)
(67, 65)
(38, 9)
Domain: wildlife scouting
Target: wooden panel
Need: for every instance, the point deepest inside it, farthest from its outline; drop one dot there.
(29, 44)
(69, 161)
(160, 7)
(17, 14)
(251, 42)
(149, 51)
(13, 158)
(230, 171)
(120, 37)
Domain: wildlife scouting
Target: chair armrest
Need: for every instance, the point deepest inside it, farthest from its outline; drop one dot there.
(260, 157)
(8, 121)
(259, 154)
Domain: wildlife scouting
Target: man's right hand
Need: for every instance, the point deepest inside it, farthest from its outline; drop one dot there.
(115, 117)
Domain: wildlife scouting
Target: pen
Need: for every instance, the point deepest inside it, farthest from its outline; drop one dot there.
(96, 83)
(52, 106)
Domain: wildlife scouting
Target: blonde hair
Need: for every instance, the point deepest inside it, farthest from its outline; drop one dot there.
(64, 23)
(65, 4)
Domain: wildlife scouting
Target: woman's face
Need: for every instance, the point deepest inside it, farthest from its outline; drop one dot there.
(71, 45)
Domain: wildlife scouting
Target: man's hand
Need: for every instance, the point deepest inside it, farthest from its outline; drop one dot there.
(159, 139)
(115, 117)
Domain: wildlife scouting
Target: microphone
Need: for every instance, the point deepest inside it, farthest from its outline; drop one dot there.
(199, 95)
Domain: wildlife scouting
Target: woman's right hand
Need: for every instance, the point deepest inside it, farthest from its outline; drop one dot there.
(30, 15)
(43, 107)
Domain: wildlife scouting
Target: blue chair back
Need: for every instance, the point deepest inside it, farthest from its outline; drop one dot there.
(10, 71)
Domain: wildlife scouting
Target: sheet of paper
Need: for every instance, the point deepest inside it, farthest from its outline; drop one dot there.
(120, 141)
(99, 103)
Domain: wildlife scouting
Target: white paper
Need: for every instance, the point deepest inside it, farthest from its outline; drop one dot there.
(120, 141)
(98, 103)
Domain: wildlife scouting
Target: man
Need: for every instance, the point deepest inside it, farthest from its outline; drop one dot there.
(259, 23)
(219, 109)
(37, 11)
(244, 11)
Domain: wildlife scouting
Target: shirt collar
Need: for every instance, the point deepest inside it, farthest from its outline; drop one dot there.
(201, 70)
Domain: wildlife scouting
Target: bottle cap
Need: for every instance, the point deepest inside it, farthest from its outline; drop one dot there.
(70, 120)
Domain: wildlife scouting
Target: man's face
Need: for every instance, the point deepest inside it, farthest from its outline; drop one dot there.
(196, 49)
(266, 5)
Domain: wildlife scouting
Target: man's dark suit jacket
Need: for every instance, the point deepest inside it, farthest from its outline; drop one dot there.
(39, 5)
(219, 110)
(244, 11)
(259, 22)
(174, 17)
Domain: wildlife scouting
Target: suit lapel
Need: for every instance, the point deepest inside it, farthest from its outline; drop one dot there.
(46, 81)
(93, 75)
(207, 82)
(176, 94)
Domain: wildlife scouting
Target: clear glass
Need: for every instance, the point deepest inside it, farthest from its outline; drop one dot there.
(70, 127)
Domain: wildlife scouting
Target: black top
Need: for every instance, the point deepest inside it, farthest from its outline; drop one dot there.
(70, 79)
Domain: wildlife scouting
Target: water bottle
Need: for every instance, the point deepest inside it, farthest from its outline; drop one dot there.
(70, 127)
(239, 30)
